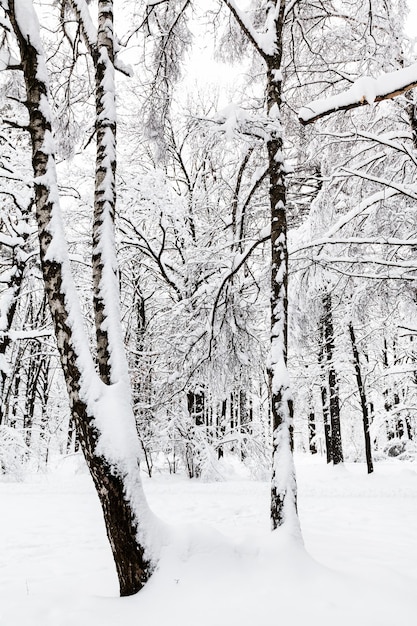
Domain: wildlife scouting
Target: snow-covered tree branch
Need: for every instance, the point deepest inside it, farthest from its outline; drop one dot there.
(365, 90)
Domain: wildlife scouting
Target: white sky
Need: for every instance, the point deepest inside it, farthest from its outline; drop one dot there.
(411, 23)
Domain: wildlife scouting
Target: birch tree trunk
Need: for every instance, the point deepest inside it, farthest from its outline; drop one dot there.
(109, 342)
(312, 432)
(269, 45)
(283, 485)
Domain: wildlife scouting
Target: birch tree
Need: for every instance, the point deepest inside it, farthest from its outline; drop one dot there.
(100, 402)
(267, 41)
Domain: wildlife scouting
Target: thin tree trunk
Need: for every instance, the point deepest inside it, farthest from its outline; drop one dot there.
(43, 393)
(32, 379)
(324, 400)
(312, 432)
(103, 260)
(196, 402)
(337, 451)
(283, 482)
(245, 422)
(327, 425)
(221, 427)
(7, 313)
(391, 399)
(364, 403)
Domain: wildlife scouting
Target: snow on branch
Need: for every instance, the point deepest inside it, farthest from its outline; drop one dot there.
(365, 90)
(265, 43)
(11, 242)
(233, 121)
(89, 32)
(395, 270)
(237, 263)
(357, 241)
(367, 203)
(290, 6)
(88, 29)
(24, 335)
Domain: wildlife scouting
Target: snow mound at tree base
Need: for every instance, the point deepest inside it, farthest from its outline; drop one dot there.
(222, 565)
(205, 579)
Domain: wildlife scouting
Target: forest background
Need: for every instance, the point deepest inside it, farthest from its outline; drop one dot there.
(193, 255)
(197, 169)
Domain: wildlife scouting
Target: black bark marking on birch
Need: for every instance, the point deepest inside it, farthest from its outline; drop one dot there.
(324, 394)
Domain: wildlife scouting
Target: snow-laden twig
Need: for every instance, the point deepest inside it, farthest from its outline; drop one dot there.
(373, 241)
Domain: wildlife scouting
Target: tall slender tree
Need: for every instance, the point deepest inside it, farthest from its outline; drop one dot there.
(267, 41)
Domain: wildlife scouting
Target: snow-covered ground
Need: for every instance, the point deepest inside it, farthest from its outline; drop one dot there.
(358, 567)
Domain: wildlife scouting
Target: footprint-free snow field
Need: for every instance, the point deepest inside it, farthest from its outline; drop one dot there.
(222, 567)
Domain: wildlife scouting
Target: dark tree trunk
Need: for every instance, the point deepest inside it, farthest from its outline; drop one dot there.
(391, 399)
(33, 374)
(196, 406)
(221, 427)
(233, 420)
(364, 403)
(245, 422)
(43, 393)
(327, 425)
(3, 380)
(13, 287)
(283, 490)
(325, 403)
(337, 451)
(412, 116)
(312, 432)
(408, 427)
(11, 394)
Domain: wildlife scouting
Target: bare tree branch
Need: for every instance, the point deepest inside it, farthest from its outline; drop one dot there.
(247, 27)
